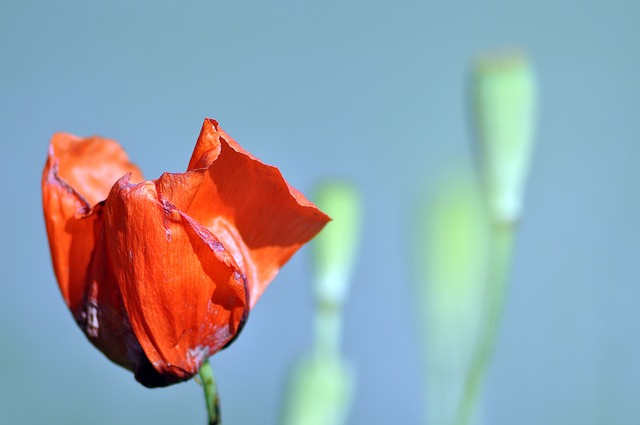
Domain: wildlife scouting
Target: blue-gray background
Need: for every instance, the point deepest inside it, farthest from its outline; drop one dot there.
(365, 89)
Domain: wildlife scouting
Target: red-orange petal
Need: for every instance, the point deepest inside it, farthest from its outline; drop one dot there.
(91, 165)
(78, 174)
(249, 206)
(103, 317)
(183, 292)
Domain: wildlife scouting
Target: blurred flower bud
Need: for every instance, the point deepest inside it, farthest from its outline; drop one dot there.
(504, 103)
(319, 392)
(335, 248)
(452, 291)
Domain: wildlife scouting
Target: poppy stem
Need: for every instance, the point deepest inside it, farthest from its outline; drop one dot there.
(328, 330)
(210, 393)
(499, 266)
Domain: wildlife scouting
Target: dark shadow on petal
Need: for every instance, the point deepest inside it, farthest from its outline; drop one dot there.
(245, 315)
(148, 376)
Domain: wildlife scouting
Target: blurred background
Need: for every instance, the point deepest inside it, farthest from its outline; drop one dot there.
(373, 91)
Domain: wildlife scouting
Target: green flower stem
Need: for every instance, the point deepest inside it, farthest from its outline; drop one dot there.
(501, 250)
(328, 330)
(210, 393)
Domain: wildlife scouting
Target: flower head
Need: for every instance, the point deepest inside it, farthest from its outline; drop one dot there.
(162, 274)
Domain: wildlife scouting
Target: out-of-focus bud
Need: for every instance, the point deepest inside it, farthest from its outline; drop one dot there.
(504, 104)
(319, 392)
(321, 385)
(452, 286)
(335, 247)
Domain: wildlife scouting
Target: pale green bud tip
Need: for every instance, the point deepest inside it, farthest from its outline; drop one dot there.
(319, 393)
(504, 101)
(335, 247)
(457, 236)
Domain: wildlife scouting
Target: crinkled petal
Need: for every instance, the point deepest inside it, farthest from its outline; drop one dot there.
(71, 184)
(249, 206)
(91, 165)
(184, 293)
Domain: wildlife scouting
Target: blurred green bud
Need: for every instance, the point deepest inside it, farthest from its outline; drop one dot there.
(321, 385)
(319, 392)
(457, 236)
(452, 289)
(335, 247)
(504, 104)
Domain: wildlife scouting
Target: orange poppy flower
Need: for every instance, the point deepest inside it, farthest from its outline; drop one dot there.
(162, 274)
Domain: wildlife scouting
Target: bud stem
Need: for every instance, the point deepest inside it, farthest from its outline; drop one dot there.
(502, 237)
(328, 329)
